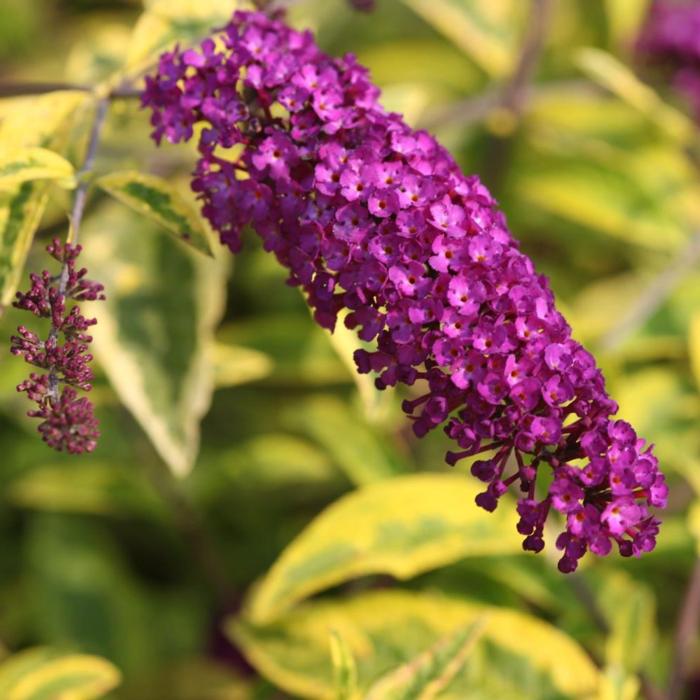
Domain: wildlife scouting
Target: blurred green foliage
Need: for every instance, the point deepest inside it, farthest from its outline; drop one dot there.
(258, 521)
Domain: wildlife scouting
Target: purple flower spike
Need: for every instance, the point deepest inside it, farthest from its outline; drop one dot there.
(68, 422)
(371, 216)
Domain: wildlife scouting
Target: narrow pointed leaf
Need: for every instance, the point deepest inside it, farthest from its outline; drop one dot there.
(154, 333)
(344, 668)
(159, 200)
(166, 22)
(429, 673)
(382, 628)
(35, 163)
(472, 27)
(29, 122)
(609, 72)
(40, 674)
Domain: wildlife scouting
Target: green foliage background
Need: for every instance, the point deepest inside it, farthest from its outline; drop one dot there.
(258, 522)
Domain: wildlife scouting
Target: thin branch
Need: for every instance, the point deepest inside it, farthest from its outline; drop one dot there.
(686, 629)
(516, 91)
(22, 89)
(88, 164)
(476, 108)
(193, 530)
(514, 96)
(75, 219)
(654, 295)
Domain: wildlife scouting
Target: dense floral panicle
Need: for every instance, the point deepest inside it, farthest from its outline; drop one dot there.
(373, 217)
(670, 39)
(68, 422)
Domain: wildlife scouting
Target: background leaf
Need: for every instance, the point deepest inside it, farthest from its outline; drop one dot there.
(43, 674)
(473, 25)
(344, 668)
(401, 527)
(158, 199)
(386, 628)
(152, 336)
(621, 81)
(42, 121)
(429, 673)
(33, 164)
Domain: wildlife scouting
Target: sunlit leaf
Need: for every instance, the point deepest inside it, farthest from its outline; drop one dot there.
(401, 527)
(694, 347)
(429, 673)
(234, 365)
(517, 655)
(27, 122)
(345, 341)
(344, 668)
(604, 201)
(473, 25)
(20, 214)
(166, 22)
(154, 331)
(43, 674)
(625, 18)
(39, 120)
(617, 685)
(156, 198)
(298, 349)
(617, 294)
(35, 163)
(606, 70)
(99, 52)
(441, 64)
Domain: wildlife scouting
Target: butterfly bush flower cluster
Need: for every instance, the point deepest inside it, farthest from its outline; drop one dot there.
(373, 217)
(670, 40)
(67, 419)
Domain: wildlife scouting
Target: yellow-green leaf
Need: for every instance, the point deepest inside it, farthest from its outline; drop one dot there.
(27, 122)
(158, 199)
(607, 71)
(604, 201)
(694, 341)
(42, 120)
(20, 214)
(625, 18)
(166, 22)
(518, 655)
(235, 364)
(41, 674)
(429, 673)
(345, 341)
(35, 163)
(617, 685)
(344, 668)
(401, 526)
(483, 29)
(155, 330)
